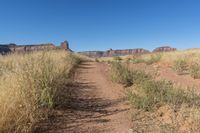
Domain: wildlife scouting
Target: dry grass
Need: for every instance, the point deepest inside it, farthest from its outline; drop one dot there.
(183, 62)
(165, 58)
(121, 74)
(195, 70)
(158, 106)
(180, 66)
(30, 83)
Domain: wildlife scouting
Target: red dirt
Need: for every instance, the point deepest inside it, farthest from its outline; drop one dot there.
(166, 73)
(97, 105)
(173, 119)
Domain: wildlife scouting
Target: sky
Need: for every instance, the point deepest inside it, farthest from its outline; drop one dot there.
(101, 24)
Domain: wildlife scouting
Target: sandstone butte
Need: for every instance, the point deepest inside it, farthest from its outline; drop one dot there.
(111, 52)
(13, 48)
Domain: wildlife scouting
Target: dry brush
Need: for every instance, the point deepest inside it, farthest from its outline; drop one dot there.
(29, 85)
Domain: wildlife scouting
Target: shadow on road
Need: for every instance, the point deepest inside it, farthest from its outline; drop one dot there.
(80, 109)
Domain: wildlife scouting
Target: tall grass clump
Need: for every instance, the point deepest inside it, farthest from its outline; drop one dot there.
(159, 93)
(159, 103)
(137, 60)
(152, 93)
(180, 66)
(30, 83)
(154, 58)
(195, 70)
(117, 58)
(96, 60)
(121, 74)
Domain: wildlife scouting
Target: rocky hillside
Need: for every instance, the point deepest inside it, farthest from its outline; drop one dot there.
(14, 48)
(111, 52)
(164, 49)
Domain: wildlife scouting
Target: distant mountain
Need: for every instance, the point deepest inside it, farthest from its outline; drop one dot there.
(14, 48)
(110, 53)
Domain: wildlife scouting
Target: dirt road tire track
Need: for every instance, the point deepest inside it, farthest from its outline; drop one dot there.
(97, 104)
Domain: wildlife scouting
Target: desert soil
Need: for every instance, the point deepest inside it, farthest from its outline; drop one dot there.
(161, 72)
(96, 104)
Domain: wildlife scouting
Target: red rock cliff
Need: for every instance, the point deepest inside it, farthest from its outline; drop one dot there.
(13, 48)
(164, 49)
(110, 53)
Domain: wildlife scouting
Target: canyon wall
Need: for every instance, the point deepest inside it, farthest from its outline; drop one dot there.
(164, 49)
(13, 48)
(110, 53)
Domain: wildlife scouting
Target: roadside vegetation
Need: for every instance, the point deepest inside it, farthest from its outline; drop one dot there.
(117, 58)
(30, 85)
(181, 66)
(121, 74)
(154, 58)
(195, 70)
(148, 60)
(158, 104)
(96, 60)
(182, 62)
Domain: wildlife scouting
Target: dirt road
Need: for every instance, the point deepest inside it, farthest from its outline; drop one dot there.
(98, 105)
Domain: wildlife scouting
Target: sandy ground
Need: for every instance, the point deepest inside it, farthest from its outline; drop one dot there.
(97, 105)
(184, 81)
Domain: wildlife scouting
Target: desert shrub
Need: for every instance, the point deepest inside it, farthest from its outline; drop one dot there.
(128, 60)
(195, 70)
(96, 60)
(109, 61)
(121, 74)
(30, 83)
(153, 59)
(180, 66)
(137, 60)
(117, 58)
(149, 97)
(154, 93)
(158, 93)
(125, 76)
(139, 76)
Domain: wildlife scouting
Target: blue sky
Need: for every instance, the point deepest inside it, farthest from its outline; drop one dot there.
(102, 24)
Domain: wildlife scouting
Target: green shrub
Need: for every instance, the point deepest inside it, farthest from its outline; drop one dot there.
(153, 59)
(128, 60)
(195, 70)
(137, 60)
(121, 74)
(140, 76)
(153, 93)
(157, 93)
(109, 61)
(117, 58)
(180, 66)
(96, 59)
